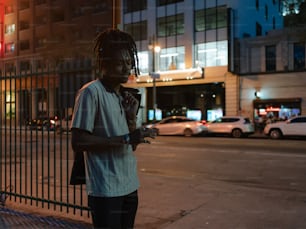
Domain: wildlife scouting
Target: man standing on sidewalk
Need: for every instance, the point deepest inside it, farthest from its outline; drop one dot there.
(104, 127)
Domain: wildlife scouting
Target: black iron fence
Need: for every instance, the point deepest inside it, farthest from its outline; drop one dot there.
(35, 151)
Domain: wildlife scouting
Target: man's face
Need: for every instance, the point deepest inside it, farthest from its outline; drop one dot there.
(118, 67)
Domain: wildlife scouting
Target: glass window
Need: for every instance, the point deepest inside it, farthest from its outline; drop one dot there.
(137, 30)
(10, 28)
(10, 108)
(41, 20)
(57, 15)
(171, 59)
(8, 9)
(298, 120)
(211, 54)
(25, 65)
(166, 2)
(134, 5)
(24, 45)
(40, 64)
(40, 42)
(10, 47)
(212, 18)
(9, 67)
(270, 58)
(171, 25)
(258, 29)
(143, 62)
(24, 25)
(299, 56)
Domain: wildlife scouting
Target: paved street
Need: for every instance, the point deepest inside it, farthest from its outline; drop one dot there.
(207, 182)
(222, 183)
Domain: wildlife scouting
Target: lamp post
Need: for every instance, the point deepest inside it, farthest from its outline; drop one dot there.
(154, 49)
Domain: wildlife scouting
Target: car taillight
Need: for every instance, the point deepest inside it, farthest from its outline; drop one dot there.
(199, 124)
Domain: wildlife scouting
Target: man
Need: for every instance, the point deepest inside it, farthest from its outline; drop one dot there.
(104, 127)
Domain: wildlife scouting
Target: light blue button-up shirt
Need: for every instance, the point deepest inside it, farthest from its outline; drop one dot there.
(113, 172)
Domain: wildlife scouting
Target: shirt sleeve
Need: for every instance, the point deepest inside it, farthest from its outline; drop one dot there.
(85, 108)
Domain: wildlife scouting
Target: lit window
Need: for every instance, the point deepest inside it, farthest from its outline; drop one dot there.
(9, 47)
(10, 28)
(10, 106)
(211, 54)
(172, 58)
(8, 9)
(143, 62)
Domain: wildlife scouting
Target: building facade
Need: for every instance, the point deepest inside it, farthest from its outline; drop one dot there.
(272, 74)
(197, 68)
(196, 64)
(39, 36)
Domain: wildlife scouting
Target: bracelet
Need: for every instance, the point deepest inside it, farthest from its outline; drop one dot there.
(126, 139)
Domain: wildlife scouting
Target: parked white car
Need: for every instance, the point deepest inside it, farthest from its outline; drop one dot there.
(178, 125)
(295, 126)
(235, 126)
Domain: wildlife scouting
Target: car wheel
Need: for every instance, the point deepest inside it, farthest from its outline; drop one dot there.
(275, 134)
(188, 132)
(236, 133)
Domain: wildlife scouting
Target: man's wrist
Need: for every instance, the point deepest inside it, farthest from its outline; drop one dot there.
(132, 123)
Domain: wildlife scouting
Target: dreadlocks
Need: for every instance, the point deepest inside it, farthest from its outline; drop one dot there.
(113, 39)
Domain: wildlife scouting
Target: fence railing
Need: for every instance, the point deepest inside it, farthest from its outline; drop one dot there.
(35, 151)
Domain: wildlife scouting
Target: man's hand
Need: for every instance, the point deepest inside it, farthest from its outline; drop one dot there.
(139, 135)
(130, 105)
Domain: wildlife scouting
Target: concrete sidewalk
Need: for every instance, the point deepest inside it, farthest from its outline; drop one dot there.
(11, 219)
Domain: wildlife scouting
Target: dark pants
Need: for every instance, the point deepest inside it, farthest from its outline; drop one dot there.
(114, 212)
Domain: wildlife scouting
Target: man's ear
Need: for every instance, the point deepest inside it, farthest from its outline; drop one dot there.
(103, 66)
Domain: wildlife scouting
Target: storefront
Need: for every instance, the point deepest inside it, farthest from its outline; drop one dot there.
(277, 109)
(201, 101)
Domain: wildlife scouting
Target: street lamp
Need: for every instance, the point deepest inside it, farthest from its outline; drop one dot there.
(155, 48)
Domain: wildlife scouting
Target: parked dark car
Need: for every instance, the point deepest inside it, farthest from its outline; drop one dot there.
(43, 123)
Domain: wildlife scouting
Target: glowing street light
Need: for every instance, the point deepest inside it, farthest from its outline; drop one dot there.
(155, 48)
